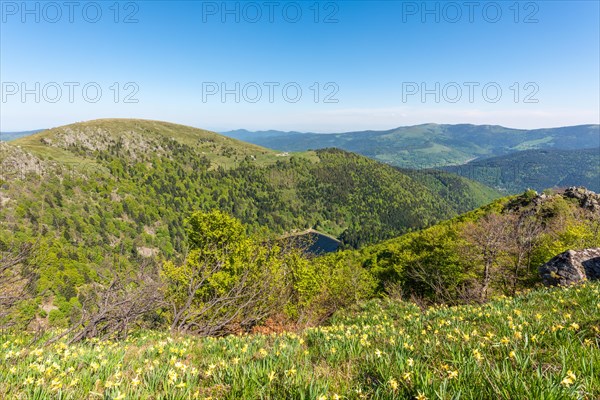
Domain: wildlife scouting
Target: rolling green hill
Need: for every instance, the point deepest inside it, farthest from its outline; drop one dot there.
(120, 190)
(536, 169)
(139, 138)
(431, 145)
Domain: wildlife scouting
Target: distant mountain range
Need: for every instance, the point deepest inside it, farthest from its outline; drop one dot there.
(8, 136)
(509, 160)
(431, 145)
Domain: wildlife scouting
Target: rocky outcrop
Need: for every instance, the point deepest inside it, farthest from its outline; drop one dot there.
(571, 267)
(533, 201)
(587, 198)
(15, 163)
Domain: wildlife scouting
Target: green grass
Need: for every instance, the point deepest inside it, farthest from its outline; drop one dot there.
(543, 344)
(534, 144)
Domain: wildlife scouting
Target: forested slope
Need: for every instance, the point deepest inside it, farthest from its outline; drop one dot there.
(117, 192)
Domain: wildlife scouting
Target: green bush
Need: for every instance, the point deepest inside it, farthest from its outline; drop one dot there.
(57, 319)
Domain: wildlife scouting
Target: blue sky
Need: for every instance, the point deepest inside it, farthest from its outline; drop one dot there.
(359, 65)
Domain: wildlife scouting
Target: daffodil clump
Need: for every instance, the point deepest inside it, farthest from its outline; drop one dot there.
(543, 344)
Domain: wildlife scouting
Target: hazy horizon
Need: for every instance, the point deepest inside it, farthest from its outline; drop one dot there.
(308, 132)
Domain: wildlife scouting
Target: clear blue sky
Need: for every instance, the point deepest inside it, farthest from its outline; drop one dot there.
(376, 56)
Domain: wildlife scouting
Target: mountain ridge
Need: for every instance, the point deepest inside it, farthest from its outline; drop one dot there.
(276, 131)
(432, 145)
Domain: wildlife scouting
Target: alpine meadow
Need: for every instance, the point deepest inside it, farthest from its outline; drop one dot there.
(300, 200)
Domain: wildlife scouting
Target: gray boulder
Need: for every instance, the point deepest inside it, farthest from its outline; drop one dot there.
(571, 267)
(587, 198)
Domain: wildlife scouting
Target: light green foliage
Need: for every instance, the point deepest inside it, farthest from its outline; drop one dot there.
(217, 239)
(327, 284)
(57, 319)
(255, 278)
(24, 313)
(221, 278)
